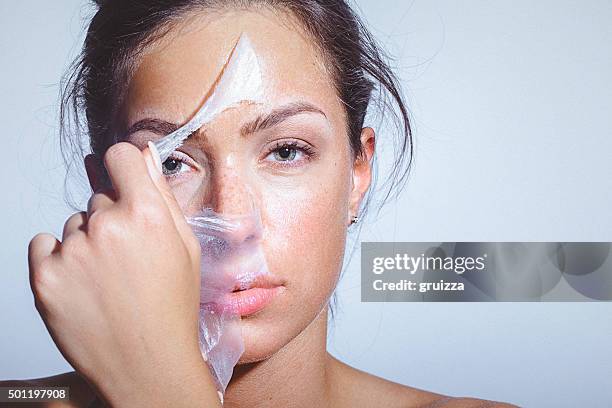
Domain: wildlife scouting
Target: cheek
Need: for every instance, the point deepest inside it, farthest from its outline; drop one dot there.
(186, 195)
(305, 232)
(191, 194)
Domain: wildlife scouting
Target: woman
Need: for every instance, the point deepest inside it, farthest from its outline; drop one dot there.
(119, 293)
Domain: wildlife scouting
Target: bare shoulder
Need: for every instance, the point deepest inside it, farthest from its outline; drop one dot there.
(81, 394)
(465, 402)
(353, 387)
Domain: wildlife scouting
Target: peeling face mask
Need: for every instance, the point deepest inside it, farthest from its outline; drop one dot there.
(232, 260)
(240, 80)
(232, 256)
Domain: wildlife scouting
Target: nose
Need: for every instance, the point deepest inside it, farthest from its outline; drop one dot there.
(233, 198)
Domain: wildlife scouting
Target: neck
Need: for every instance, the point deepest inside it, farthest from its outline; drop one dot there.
(296, 375)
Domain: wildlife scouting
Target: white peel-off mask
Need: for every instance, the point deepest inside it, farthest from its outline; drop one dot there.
(241, 80)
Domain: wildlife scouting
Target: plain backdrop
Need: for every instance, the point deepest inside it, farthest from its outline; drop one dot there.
(511, 106)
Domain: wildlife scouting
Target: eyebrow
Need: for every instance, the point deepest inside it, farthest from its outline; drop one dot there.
(157, 126)
(264, 121)
(271, 119)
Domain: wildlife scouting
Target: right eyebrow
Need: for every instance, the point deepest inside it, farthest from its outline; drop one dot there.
(157, 126)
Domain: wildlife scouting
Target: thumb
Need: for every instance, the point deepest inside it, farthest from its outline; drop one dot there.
(154, 165)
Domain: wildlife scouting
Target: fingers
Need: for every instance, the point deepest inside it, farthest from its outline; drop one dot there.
(127, 172)
(100, 200)
(154, 164)
(41, 247)
(127, 167)
(76, 222)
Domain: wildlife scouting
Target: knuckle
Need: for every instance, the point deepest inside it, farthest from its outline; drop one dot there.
(34, 242)
(96, 222)
(70, 220)
(99, 201)
(119, 151)
(91, 203)
(73, 221)
(103, 225)
(40, 248)
(117, 223)
(147, 212)
(78, 216)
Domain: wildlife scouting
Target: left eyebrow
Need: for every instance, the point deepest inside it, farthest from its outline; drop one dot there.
(277, 116)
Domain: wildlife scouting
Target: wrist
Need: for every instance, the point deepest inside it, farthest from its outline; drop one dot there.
(185, 385)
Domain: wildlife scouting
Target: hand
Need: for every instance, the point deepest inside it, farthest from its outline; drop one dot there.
(120, 294)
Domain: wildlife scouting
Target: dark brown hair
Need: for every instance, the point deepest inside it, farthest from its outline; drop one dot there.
(120, 29)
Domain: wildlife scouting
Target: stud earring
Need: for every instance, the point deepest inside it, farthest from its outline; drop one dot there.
(354, 220)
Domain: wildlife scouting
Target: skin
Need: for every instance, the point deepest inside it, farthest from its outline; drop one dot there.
(306, 206)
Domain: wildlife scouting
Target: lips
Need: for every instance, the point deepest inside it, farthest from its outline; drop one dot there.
(249, 296)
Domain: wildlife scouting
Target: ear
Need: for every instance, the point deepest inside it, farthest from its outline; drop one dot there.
(95, 173)
(362, 172)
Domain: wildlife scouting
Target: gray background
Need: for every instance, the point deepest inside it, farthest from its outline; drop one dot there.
(511, 107)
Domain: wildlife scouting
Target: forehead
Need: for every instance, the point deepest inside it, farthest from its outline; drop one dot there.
(175, 73)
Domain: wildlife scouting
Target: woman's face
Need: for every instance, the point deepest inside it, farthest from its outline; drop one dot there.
(298, 169)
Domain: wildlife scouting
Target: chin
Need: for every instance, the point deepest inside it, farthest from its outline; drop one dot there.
(261, 340)
(267, 331)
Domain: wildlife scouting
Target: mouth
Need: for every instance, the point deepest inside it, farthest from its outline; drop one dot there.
(250, 295)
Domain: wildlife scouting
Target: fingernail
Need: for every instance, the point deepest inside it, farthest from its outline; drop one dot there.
(155, 154)
(151, 167)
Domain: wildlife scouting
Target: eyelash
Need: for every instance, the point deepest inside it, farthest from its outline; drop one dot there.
(304, 148)
(181, 158)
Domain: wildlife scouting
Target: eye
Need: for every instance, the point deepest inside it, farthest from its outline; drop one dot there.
(289, 153)
(176, 164)
(285, 153)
